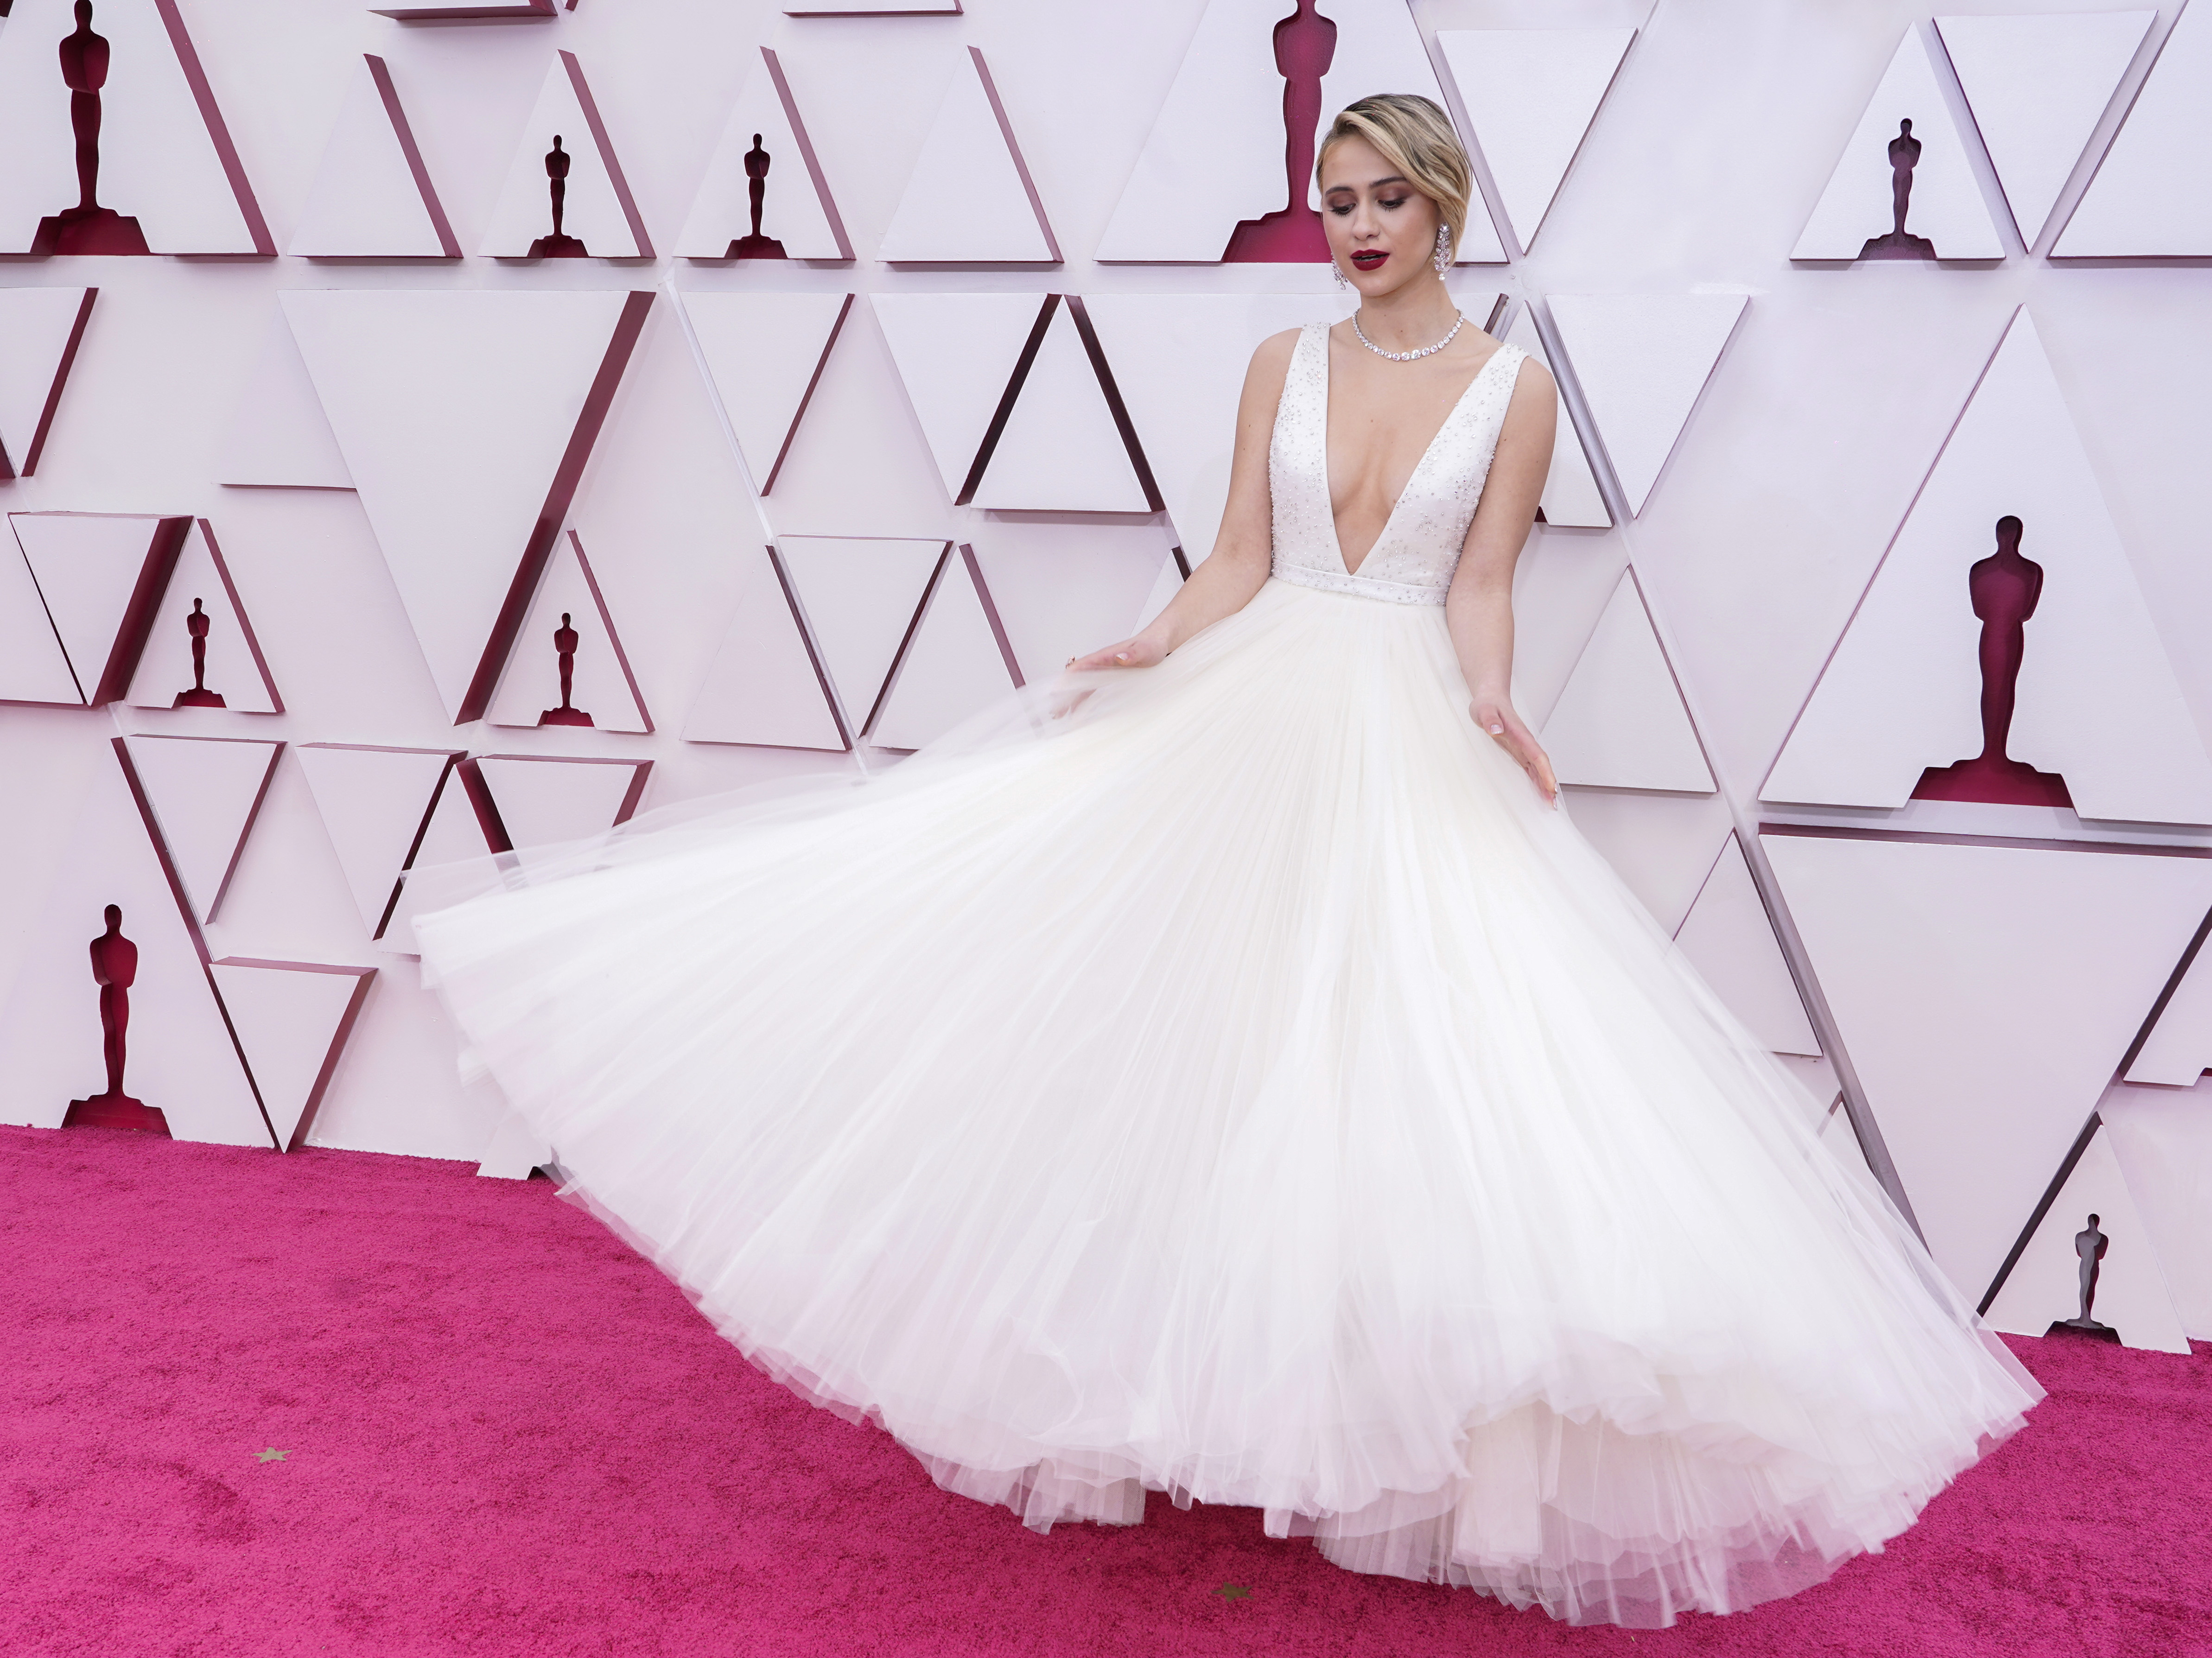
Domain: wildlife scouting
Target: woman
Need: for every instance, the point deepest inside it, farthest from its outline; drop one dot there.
(1225, 1073)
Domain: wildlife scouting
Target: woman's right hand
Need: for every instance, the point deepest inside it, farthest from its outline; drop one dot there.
(1136, 652)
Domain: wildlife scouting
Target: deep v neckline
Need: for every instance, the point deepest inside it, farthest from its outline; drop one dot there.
(1335, 541)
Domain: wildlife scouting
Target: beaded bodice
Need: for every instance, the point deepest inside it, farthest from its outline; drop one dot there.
(1411, 561)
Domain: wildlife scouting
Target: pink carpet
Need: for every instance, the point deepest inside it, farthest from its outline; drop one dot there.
(503, 1433)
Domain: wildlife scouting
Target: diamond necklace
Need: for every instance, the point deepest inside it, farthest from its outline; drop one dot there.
(1406, 357)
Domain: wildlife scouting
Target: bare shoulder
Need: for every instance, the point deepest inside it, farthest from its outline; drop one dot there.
(1271, 358)
(1532, 380)
(1269, 372)
(1532, 412)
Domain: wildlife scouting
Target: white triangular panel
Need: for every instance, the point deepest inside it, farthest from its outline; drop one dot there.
(1179, 361)
(292, 1019)
(372, 198)
(454, 411)
(1660, 845)
(2044, 1286)
(166, 159)
(596, 209)
(1621, 724)
(1225, 105)
(39, 328)
(235, 669)
(956, 353)
(1729, 940)
(762, 687)
(969, 200)
(179, 1058)
(457, 833)
(1985, 993)
(796, 209)
(1572, 497)
(1946, 206)
(953, 669)
(375, 802)
(1531, 95)
(98, 573)
(515, 1151)
(764, 352)
(1642, 360)
(32, 668)
(278, 435)
(860, 596)
(2148, 200)
(601, 683)
(2162, 1139)
(2178, 1049)
(1064, 590)
(1060, 450)
(2098, 701)
(549, 800)
(2038, 87)
(205, 793)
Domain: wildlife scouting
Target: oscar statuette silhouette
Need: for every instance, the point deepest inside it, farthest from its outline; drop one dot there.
(557, 245)
(565, 640)
(2004, 589)
(199, 696)
(87, 228)
(115, 969)
(756, 246)
(2089, 1245)
(1305, 42)
(1900, 243)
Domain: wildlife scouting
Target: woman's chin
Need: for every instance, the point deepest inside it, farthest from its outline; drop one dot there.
(1381, 283)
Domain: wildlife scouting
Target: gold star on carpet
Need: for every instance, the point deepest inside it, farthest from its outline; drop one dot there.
(1232, 1592)
(271, 1456)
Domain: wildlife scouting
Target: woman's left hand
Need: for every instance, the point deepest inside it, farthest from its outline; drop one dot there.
(1495, 715)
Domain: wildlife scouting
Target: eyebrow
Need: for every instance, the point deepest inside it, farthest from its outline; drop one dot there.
(1372, 184)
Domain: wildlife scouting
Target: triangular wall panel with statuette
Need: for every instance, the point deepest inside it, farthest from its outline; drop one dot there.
(570, 611)
(202, 606)
(599, 218)
(169, 178)
(764, 141)
(2097, 703)
(1945, 217)
(2129, 1294)
(178, 1059)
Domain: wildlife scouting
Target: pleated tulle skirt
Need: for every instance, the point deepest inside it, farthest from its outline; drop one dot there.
(1230, 1079)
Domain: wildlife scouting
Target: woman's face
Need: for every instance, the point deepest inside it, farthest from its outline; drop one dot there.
(1382, 231)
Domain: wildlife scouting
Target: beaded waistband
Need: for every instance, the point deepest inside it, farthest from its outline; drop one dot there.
(1360, 586)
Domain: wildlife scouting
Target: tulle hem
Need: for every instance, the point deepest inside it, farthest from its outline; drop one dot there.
(1573, 1572)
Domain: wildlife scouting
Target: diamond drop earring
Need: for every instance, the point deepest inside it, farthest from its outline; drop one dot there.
(1444, 249)
(1337, 271)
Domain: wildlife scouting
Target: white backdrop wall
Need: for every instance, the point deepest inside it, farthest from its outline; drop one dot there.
(375, 462)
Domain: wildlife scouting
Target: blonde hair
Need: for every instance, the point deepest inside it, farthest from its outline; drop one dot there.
(1415, 136)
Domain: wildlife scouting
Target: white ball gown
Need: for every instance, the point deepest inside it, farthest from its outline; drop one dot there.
(1236, 1083)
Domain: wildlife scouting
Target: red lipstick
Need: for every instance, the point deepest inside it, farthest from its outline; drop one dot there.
(1370, 259)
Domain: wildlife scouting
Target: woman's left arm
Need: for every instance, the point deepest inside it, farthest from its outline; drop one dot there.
(1478, 608)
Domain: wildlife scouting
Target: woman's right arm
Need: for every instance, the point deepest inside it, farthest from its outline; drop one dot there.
(1243, 552)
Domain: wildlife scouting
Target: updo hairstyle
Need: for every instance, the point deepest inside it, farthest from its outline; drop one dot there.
(1416, 137)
